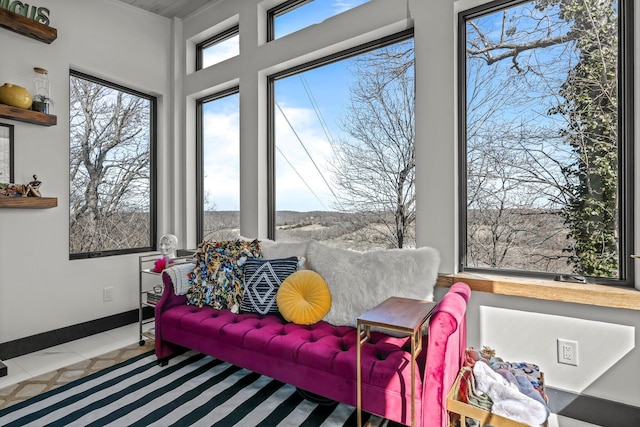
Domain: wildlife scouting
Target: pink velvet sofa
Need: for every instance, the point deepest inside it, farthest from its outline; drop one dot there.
(321, 358)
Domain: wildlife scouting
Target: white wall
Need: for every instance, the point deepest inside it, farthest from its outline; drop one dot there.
(40, 288)
(523, 329)
(519, 329)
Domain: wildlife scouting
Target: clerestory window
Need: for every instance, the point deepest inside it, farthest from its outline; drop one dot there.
(294, 15)
(218, 48)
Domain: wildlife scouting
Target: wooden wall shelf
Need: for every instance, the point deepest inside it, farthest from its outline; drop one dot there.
(28, 202)
(27, 27)
(28, 116)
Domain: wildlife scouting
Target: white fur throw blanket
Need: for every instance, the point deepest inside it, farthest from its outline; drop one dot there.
(507, 399)
(359, 281)
(272, 250)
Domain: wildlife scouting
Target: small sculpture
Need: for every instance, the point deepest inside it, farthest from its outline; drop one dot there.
(168, 245)
(33, 188)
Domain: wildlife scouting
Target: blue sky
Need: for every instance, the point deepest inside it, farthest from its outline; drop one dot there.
(222, 153)
(303, 186)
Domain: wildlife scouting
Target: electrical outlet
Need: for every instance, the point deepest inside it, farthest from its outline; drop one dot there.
(567, 352)
(107, 294)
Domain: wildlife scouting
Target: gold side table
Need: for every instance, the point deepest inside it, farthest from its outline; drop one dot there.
(402, 315)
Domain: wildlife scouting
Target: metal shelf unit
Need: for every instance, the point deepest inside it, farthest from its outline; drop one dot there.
(150, 293)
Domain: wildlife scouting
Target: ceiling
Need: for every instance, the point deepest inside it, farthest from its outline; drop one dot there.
(170, 8)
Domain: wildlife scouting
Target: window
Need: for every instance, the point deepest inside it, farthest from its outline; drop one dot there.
(6, 153)
(342, 148)
(218, 48)
(112, 168)
(547, 135)
(218, 163)
(294, 15)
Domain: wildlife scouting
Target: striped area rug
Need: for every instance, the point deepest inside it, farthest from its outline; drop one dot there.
(192, 390)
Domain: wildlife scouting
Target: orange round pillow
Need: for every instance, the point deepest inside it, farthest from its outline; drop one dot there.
(304, 298)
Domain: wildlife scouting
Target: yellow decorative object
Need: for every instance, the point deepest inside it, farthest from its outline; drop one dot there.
(304, 298)
(15, 96)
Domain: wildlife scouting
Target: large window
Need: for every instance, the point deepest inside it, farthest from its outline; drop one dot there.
(294, 15)
(218, 163)
(546, 116)
(112, 168)
(342, 148)
(218, 48)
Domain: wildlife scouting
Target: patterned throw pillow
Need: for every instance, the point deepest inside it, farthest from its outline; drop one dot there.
(262, 279)
(217, 279)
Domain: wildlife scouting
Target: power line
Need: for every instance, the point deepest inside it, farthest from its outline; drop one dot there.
(307, 151)
(323, 124)
(300, 176)
(316, 109)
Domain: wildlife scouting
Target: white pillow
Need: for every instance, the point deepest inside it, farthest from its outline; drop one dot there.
(275, 250)
(359, 281)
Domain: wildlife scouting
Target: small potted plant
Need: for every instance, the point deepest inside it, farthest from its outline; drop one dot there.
(41, 103)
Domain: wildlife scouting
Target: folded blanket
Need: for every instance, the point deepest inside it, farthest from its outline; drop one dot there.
(524, 384)
(468, 392)
(179, 275)
(522, 371)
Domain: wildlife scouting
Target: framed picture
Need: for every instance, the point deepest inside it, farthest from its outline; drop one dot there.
(6, 153)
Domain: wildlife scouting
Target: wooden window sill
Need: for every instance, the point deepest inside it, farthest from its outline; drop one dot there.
(591, 294)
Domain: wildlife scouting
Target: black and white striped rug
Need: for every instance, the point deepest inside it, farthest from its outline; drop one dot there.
(192, 390)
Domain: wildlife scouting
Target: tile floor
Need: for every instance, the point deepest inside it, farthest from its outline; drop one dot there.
(34, 364)
(31, 365)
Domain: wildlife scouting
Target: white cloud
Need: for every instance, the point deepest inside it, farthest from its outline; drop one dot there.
(221, 51)
(340, 6)
(221, 161)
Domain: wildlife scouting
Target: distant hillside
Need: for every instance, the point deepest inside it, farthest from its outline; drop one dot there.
(338, 229)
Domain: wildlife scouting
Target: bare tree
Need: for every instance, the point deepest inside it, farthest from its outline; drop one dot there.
(375, 166)
(219, 225)
(513, 216)
(514, 172)
(110, 153)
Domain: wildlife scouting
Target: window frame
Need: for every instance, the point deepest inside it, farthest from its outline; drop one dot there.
(200, 155)
(153, 174)
(625, 145)
(218, 38)
(271, 110)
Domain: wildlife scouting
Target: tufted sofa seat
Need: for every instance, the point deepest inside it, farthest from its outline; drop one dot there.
(321, 346)
(321, 358)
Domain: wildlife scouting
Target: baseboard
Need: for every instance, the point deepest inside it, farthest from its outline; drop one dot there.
(592, 410)
(48, 339)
